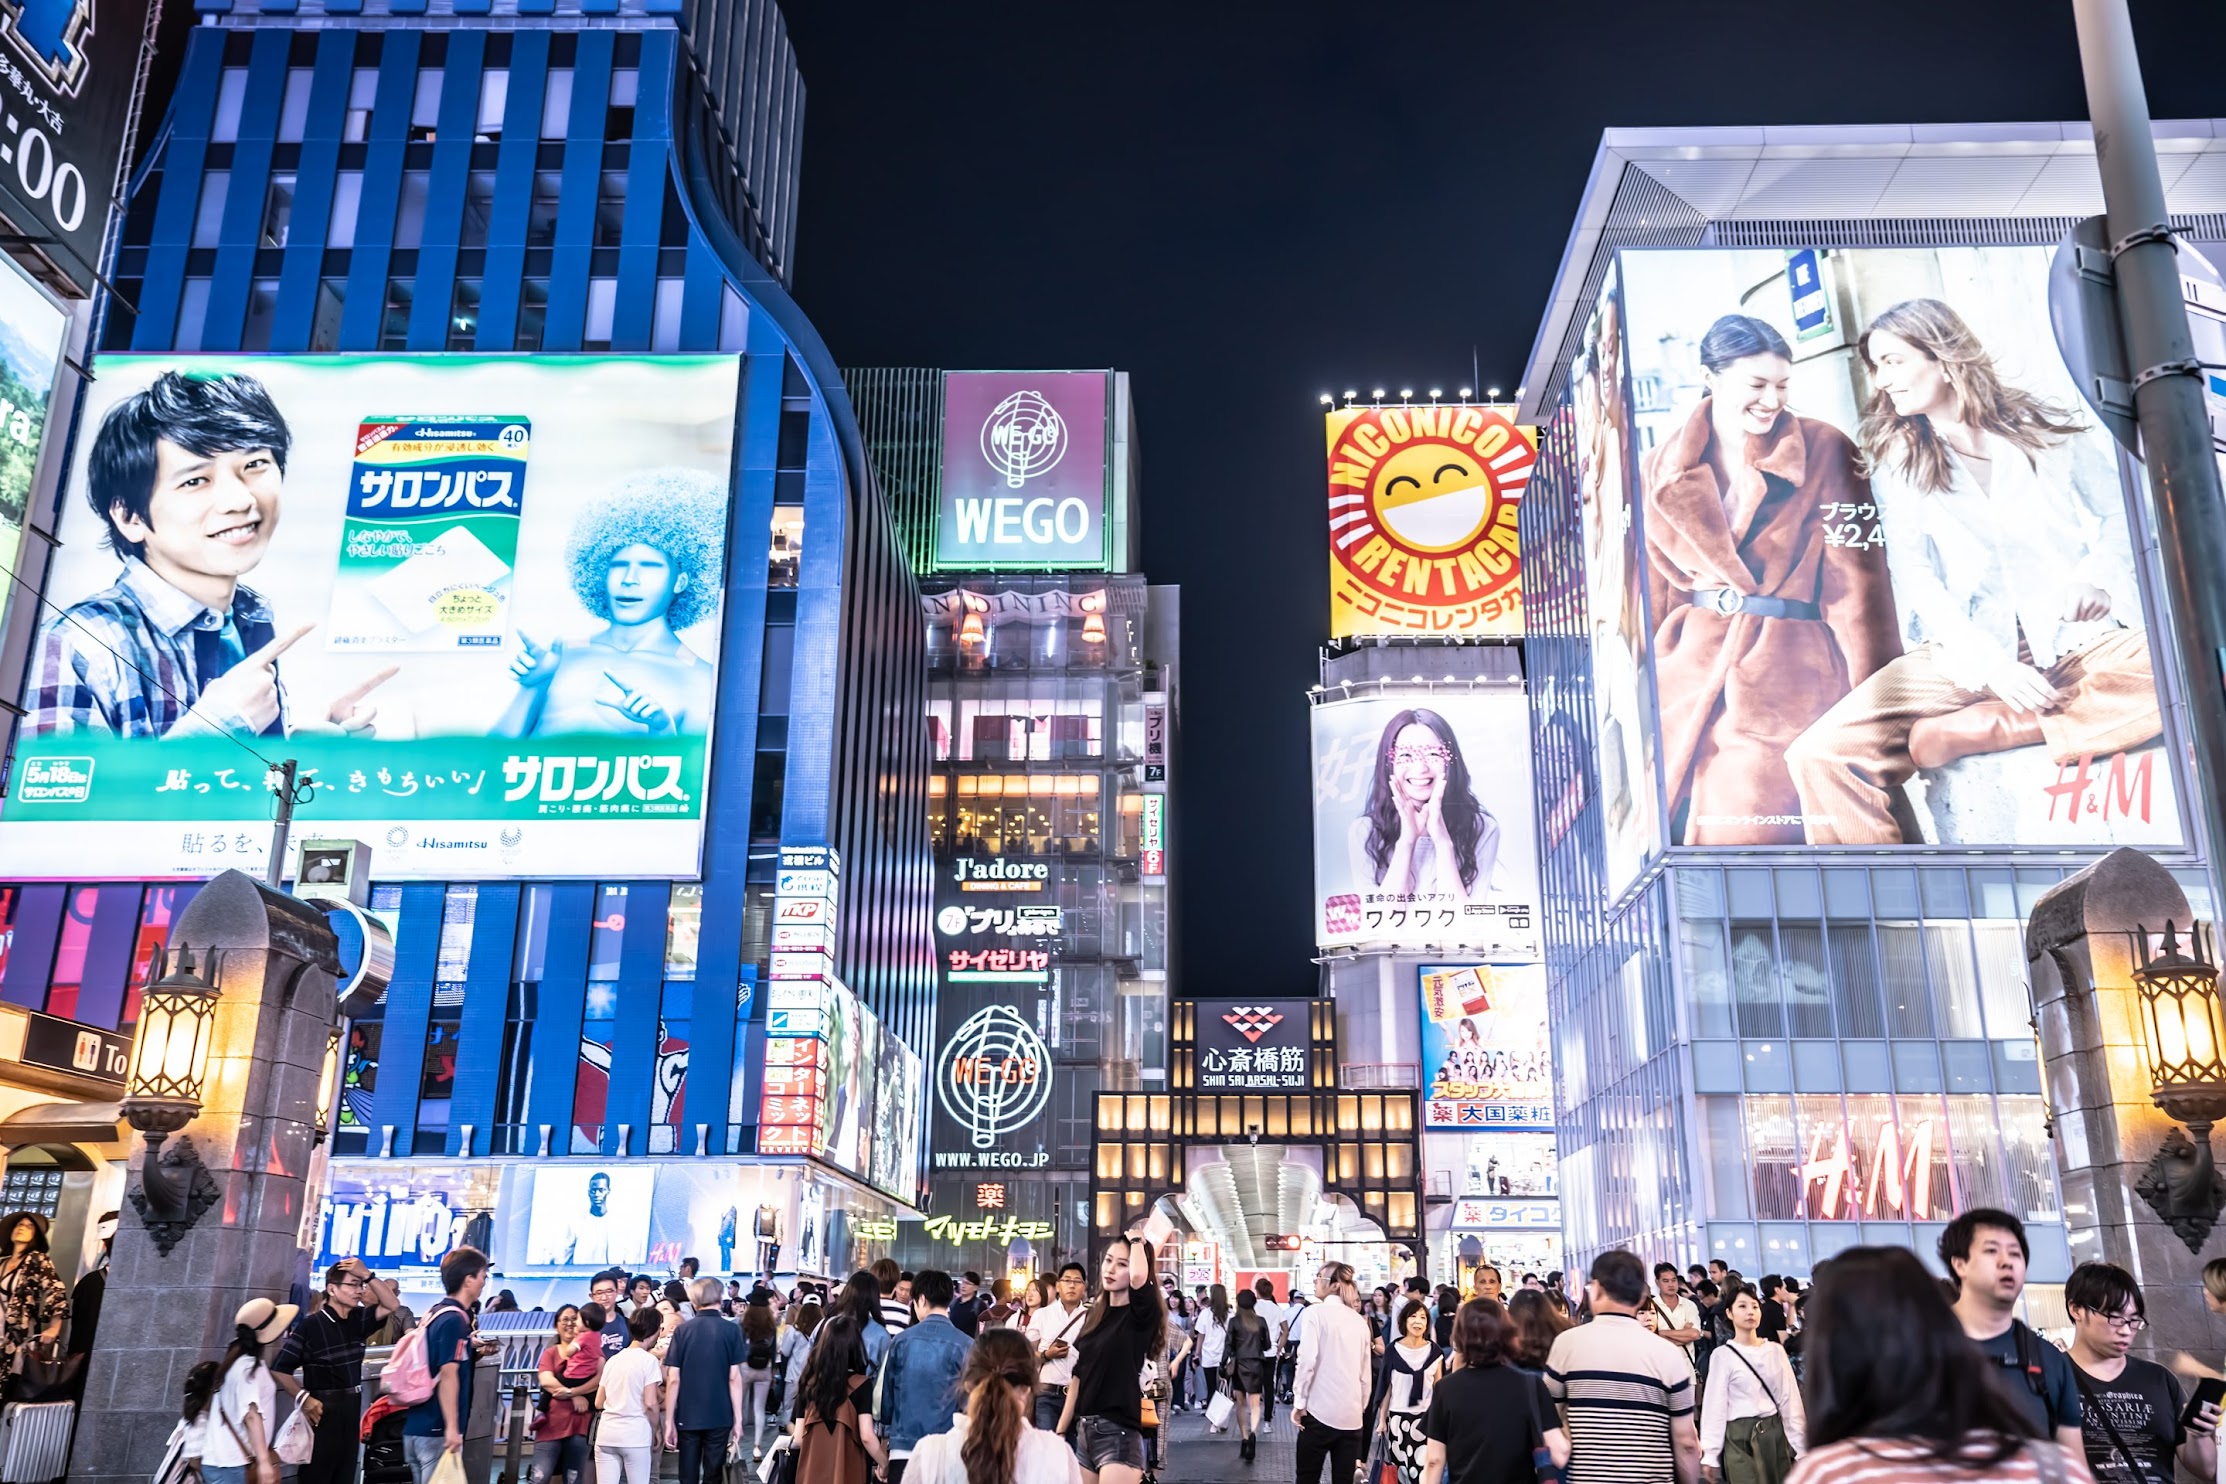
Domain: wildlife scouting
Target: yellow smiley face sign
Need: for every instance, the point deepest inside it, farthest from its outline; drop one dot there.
(1422, 505)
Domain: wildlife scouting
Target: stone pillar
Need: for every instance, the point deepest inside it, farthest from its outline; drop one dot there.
(273, 959)
(2095, 1068)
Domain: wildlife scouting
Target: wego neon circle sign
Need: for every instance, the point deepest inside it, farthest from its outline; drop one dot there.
(993, 1076)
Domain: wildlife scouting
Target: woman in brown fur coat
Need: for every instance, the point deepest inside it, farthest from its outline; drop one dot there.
(1764, 614)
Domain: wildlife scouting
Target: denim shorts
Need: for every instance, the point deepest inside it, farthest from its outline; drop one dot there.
(1101, 1441)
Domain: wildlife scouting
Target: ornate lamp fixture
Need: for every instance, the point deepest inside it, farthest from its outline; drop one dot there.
(169, 1068)
(2185, 1028)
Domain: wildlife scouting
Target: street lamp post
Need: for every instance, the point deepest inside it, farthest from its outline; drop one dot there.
(2167, 392)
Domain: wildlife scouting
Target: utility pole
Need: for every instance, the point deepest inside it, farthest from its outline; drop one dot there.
(2168, 398)
(289, 789)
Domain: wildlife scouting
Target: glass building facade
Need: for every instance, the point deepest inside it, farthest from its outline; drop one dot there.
(1769, 1054)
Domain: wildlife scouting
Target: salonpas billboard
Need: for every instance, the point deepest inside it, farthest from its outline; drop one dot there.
(476, 598)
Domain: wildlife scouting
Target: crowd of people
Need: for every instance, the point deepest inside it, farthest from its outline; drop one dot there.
(1878, 1373)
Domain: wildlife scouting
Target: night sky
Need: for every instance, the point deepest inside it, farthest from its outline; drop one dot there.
(1246, 205)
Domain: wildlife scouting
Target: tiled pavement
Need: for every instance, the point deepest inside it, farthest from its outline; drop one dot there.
(1189, 1454)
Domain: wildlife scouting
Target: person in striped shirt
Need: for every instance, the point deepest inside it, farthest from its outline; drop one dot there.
(1627, 1393)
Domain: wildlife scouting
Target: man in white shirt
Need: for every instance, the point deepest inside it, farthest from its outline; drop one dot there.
(1329, 1393)
(1053, 1331)
(1676, 1318)
(1274, 1316)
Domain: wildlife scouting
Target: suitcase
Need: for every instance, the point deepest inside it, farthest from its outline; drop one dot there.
(35, 1441)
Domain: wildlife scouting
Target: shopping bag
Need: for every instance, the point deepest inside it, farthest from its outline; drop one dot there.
(450, 1470)
(1382, 1468)
(1219, 1409)
(296, 1439)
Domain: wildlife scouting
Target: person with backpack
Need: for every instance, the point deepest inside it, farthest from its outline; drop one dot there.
(431, 1368)
(761, 1351)
(1751, 1421)
(1984, 1251)
(834, 1432)
(244, 1417)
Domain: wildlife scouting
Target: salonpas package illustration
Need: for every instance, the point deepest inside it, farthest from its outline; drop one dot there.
(431, 535)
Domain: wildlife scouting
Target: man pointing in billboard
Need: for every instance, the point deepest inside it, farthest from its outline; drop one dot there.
(188, 476)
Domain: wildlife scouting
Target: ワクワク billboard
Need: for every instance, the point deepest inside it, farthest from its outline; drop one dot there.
(476, 598)
(1890, 573)
(1422, 822)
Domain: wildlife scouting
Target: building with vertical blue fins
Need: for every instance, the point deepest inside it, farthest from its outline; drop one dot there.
(550, 179)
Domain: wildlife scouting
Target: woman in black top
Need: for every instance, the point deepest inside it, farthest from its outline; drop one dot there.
(1487, 1419)
(1246, 1361)
(1125, 1329)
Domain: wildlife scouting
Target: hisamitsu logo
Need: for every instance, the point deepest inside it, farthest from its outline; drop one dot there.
(1253, 1021)
(51, 36)
(55, 780)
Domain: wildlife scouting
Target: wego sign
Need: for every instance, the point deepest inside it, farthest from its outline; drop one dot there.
(1024, 469)
(1422, 520)
(993, 1079)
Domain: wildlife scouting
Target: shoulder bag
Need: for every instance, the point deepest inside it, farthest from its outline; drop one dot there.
(1769, 1437)
(2102, 1415)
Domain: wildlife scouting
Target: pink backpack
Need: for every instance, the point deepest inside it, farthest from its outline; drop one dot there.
(409, 1376)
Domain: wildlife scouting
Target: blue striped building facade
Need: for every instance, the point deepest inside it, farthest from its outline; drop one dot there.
(523, 177)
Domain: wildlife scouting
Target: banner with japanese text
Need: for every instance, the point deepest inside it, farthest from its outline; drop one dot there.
(475, 598)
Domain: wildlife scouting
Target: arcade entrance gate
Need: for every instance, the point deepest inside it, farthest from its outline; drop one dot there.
(1258, 1072)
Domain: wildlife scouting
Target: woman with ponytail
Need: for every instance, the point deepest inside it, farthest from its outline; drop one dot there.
(244, 1418)
(994, 1440)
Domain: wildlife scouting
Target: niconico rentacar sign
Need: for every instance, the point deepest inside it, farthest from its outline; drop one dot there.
(1422, 520)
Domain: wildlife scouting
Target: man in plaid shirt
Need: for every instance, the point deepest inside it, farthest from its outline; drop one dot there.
(188, 475)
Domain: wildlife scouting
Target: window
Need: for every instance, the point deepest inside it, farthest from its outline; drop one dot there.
(262, 313)
(193, 314)
(409, 215)
(780, 659)
(610, 208)
(459, 906)
(608, 933)
(278, 211)
(541, 210)
(733, 321)
(463, 315)
(231, 96)
(683, 921)
(669, 1086)
(208, 217)
(293, 108)
(324, 325)
(33, 1183)
(363, 92)
(556, 103)
(68, 976)
(394, 321)
(425, 105)
(158, 909)
(602, 305)
(665, 334)
(530, 951)
(494, 99)
(533, 313)
(10, 898)
(787, 550)
(479, 208)
(347, 197)
(618, 119)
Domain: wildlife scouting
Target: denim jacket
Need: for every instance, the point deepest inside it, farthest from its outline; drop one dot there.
(919, 1382)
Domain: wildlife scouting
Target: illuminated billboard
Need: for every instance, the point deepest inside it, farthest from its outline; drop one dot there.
(1024, 470)
(1422, 520)
(1615, 610)
(1422, 822)
(33, 332)
(1484, 1049)
(1891, 580)
(476, 597)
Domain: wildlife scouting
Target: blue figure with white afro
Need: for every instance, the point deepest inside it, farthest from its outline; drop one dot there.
(644, 559)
